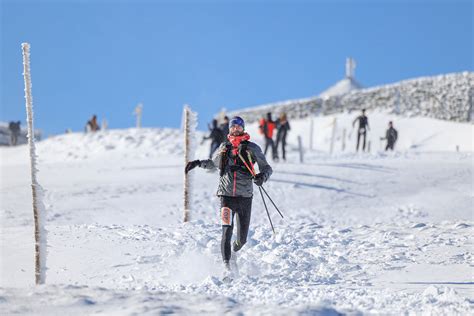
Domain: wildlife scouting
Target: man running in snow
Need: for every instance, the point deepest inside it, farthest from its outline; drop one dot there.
(233, 159)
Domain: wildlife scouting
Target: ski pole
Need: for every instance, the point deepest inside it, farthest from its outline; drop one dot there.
(271, 201)
(266, 209)
(250, 161)
(252, 171)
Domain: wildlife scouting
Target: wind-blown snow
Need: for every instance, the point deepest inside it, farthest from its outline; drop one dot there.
(387, 233)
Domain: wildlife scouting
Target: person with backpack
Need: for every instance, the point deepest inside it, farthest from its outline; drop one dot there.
(267, 126)
(216, 136)
(283, 127)
(362, 130)
(235, 159)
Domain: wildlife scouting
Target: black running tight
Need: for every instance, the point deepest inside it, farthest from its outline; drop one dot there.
(242, 207)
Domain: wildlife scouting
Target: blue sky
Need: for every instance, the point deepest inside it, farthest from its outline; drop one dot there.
(104, 57)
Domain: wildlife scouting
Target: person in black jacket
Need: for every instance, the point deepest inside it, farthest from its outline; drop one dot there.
(15, 130)
(362, 130)
(216, 136)
(266, 127)
(283, 127)
(225, 126)
(391, 136)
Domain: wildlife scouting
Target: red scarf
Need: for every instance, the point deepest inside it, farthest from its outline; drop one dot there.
(236, 140)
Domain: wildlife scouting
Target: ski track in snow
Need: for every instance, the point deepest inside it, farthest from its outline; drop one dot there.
(362, 233)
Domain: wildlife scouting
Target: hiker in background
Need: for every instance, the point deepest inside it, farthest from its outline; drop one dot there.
(362, 130)
(15, 130)
(92, 125)
(225, 126)
(266, 127)
(283, 127)
(216, 136)
(391, 136)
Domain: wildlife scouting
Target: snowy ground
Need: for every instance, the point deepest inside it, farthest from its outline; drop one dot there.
(363, 233)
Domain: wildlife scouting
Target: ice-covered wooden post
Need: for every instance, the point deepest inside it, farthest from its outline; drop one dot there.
(138, 112)
(104, 124)
(343, 139)
(333, 135)
(189, 126)
(300, 149)
(37, 190)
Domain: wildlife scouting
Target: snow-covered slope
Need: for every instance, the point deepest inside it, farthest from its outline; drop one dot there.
(363, 233)
(127, 143)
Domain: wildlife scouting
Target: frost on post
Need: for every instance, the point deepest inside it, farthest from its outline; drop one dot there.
(37, 190)
(190, 145)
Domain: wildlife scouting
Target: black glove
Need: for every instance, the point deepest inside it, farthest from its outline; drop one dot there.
(191, 165)
(259, 179)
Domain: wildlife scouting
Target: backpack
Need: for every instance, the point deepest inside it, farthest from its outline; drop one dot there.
(242, 150)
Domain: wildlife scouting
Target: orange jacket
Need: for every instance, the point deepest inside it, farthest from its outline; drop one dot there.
(267, 128)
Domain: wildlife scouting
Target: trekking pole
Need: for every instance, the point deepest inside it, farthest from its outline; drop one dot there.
(252, 172)
(271, 201)
(266, 209)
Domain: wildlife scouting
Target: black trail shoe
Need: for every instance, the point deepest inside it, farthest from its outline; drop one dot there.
(237, 245)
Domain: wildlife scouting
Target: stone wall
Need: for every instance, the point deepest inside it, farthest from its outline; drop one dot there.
(446, 97)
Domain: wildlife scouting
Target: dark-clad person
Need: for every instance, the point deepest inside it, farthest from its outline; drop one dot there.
(15, 130)
(267, 126)
(92, 125)
(391, 135)
(283, 127)
(216, 136)
(362, 129)
(225, 126)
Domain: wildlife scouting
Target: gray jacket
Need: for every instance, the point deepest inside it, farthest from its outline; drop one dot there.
(236, 180)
